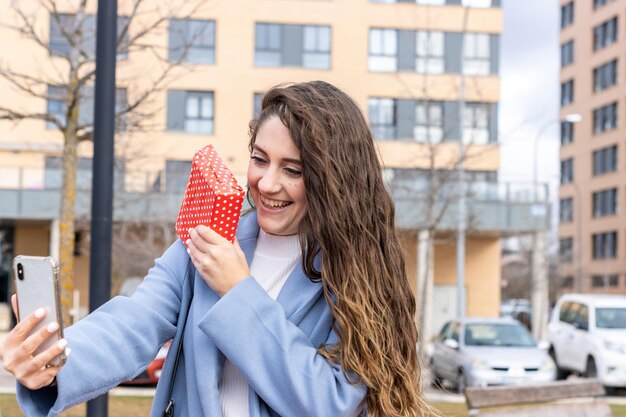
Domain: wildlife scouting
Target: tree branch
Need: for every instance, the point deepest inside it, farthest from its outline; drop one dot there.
(24, 83)
(10, 114)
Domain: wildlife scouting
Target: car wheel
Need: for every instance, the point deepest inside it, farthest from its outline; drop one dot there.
(435, 379)
(560, 372)
(591, 371)
(461, 382)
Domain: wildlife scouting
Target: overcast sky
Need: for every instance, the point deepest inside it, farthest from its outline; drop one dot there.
(530, 90)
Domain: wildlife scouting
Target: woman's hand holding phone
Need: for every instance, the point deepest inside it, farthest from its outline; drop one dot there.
(18, 350)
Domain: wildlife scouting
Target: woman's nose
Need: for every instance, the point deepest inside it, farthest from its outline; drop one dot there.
(269, 183)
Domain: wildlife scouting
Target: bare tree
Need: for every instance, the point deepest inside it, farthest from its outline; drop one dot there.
(68, 79)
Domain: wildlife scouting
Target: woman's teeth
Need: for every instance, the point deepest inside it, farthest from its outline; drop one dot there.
(274, 204)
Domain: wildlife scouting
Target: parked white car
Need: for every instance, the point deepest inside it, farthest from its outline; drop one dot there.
(587, 335)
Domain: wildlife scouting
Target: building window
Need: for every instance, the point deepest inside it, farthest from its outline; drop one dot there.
(56, 106)
(567, 14)
(429, 52)
(476, 59)
(267, 45)
(605, 76)
(600, 3)
(429, 2)
(605, 281)
(605, 160)
(426, 2)
(303, 46)
(476, 3)
(428, 121)
(257, 105)
(566, 247)
(605, 202)
(567, 132)
(605, 34)
(59, 40)
(192, 41)
(382, 117)
(567, 92)
(316, 47)
(383, 53)
(604, 245)
(567, 282)
(466, 3)
(176, 175)
(57, 95)
(199, 113)
(566, 210)
(476, 124)
(567, 53)
(190, 111)
(605, 118)
(567, 171)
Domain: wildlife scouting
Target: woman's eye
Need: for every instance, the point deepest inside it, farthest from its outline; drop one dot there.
(257, 159)
(293, 172)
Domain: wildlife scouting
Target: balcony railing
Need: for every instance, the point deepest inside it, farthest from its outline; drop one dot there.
(499, 207)
(140, 196)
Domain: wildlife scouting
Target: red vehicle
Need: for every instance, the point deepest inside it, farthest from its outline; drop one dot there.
(150, 376)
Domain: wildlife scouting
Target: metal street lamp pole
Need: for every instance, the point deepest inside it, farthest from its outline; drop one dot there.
(102, 187)
(461, 221)
(539, 280)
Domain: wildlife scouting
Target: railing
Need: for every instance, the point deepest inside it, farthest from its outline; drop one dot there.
(491, 206)
(144, 196)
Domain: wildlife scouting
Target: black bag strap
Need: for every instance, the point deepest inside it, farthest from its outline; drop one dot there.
(169, 408)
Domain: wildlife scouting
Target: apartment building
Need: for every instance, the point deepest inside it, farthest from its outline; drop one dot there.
(425, 73)
(592, 211)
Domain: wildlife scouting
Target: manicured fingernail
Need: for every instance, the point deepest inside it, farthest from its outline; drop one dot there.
(53, 327)
(67, 352)
(190, 230)
(62, 343)
(40, 312)
(187, 242)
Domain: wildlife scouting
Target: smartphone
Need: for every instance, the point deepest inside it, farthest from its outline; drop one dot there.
(37, 285)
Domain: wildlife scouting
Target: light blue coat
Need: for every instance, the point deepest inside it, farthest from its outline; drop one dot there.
(273, 343)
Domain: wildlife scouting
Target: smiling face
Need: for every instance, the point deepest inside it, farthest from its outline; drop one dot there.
(275, 179)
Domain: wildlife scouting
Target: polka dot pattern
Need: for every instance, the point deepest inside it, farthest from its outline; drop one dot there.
(212, 198)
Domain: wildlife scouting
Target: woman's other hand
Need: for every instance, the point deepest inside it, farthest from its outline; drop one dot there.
(220, 263)
(17, 350)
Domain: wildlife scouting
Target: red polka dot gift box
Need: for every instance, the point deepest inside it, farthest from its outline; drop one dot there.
(212, 198)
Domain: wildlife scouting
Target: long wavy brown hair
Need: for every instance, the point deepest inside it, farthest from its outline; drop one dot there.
(350, 220)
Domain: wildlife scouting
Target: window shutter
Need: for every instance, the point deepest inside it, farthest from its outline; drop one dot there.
(176, 45)
(451, 117)
(86, 106)
(406, 50)
(405, 120)
(176, 109)
(494, 54)
(453, 52)
(493, 123)
(292, 45)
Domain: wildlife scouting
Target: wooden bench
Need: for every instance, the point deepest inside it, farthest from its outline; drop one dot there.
(584, 399)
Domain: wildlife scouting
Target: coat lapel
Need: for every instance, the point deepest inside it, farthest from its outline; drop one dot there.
(299, 292)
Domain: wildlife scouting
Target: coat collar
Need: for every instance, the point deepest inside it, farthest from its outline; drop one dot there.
(299, 291)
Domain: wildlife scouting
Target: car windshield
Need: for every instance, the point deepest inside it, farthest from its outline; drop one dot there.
(496, 334)
(611, 318)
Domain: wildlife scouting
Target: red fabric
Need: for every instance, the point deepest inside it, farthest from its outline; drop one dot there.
(212, 198)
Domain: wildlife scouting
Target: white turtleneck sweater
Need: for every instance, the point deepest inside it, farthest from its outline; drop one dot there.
(274, 259)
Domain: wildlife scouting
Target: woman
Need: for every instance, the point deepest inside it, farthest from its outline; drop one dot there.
(309, 313)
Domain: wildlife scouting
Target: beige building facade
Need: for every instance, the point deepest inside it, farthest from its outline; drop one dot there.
(424, 72)
(592, 204)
